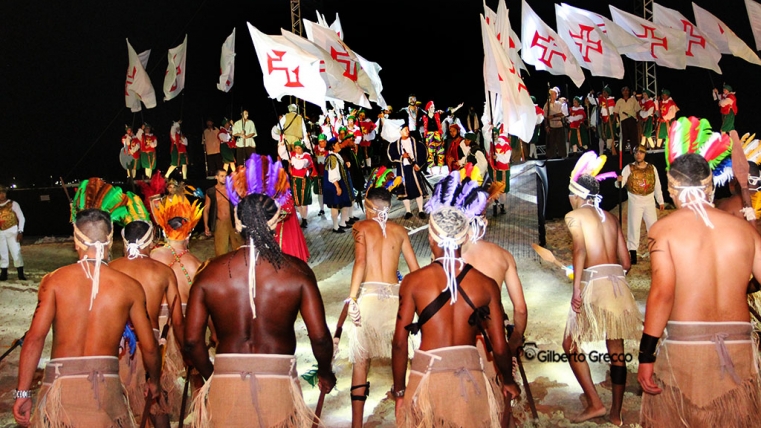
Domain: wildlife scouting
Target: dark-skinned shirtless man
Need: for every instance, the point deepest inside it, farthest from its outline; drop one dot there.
(374, 293)
(87, 304)
(701, 259)
(602, 306)
(254, 382)
(159, 283)
(447, 385)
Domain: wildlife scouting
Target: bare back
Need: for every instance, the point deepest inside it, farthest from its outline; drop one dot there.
(78, 332)
(381, 254)
(449, 326)
(490, 259)
(705, 270)
(221, 291)
(155, 278)
(183, 263)
(602, 241)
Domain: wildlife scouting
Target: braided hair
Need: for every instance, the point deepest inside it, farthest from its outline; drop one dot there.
(254, 211)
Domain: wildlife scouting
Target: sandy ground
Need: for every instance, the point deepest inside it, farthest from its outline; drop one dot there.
(548, 294)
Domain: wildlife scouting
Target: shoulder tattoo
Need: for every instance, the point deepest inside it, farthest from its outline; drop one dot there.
(570, 222)
(358, 236)
(651, 245)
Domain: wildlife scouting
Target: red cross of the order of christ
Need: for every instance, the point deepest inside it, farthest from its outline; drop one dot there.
(547, 50)
(649, 35)
(278, 56)
(692, 38)
(351, 66)
(130, 79)
(584, 41)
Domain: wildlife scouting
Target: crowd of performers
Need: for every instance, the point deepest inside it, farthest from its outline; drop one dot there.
(146, 322)
(629, 121)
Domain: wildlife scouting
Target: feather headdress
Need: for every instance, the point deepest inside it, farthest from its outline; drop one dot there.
(751, 147)
(155, 188)
(177, 206)
(136, 211)
(589, 164)
(96, 193)
(381, 177)
(259, 175)
(693, 135)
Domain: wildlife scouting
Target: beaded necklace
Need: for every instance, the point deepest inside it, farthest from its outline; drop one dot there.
(177, 258)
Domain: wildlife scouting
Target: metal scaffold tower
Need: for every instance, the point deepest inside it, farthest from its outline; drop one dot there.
(296, 17)
(644, 72)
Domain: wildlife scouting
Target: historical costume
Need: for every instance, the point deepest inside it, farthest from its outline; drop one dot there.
(627, 111)
(129, 156)
(244, 147)
(320, 154)
(648, 107)
(453, 144)
(728, 106)
(352, 136)
(12, 224)
(179, 151)
(577, 133)
(642, 183)
(367, 129)
(302, 167)
(414, 186)
(708, 370)
(537, 129)
(433, 136)
(606, 127)
(413, 116)
(293, 127)
(227, 145)
(148, 143)
(555, 111)
(608, 309)
(500, 168)
(666, 113)
(336, 175)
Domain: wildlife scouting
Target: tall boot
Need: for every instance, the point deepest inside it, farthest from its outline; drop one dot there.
(21, 276)
(633, 256)
(4, 274)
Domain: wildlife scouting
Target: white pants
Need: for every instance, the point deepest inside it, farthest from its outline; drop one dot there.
(8, 241)
(639, 207)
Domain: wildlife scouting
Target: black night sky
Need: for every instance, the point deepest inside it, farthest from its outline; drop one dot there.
(63, 67)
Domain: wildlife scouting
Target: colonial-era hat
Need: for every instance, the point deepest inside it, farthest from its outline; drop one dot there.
(293, 108)
(641, 148)
(727, 87)
(127, 128)
(350, 118)
(428, 105)
(606, 89)
(648, 92)
(322, 137)
(578, 98)
(298, 143)
(470, 136)
(556, 90)
(666, 92)
(533, 99)
(343, 128)
(454, 125)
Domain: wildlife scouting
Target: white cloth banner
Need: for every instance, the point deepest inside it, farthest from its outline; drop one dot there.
(392, 130)
(594, 50)
(666, 47)
(372, 71)
(339, 87)
(174, 79)
(328, 40)
(336, 26)
(517, 106)
(227, 64)
(137, 86)
(544, 49)
(288, 70)
(754, 14)
(624, 42)
(722, 36)
(506, 36)
(700, 51)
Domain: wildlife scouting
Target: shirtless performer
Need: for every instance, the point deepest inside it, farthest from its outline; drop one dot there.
(436, 397)
(88, 305)
(158, 281)
(177, 218)
(734, 204)
(701, 257)
(374, 295)
(602, 307)
(254, 297)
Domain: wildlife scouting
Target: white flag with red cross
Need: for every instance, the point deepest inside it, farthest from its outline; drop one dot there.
(754, 14)
(328, 40)
(227, 64)
(506, 36)
(624, 42)
(339, 87)
(544, 49)
(174, 79)
(517, 108)
(722, 36)
(667, 46)
(700, 51)
(137, 86)
(336, 26)
(287, 69)
(593, 49)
